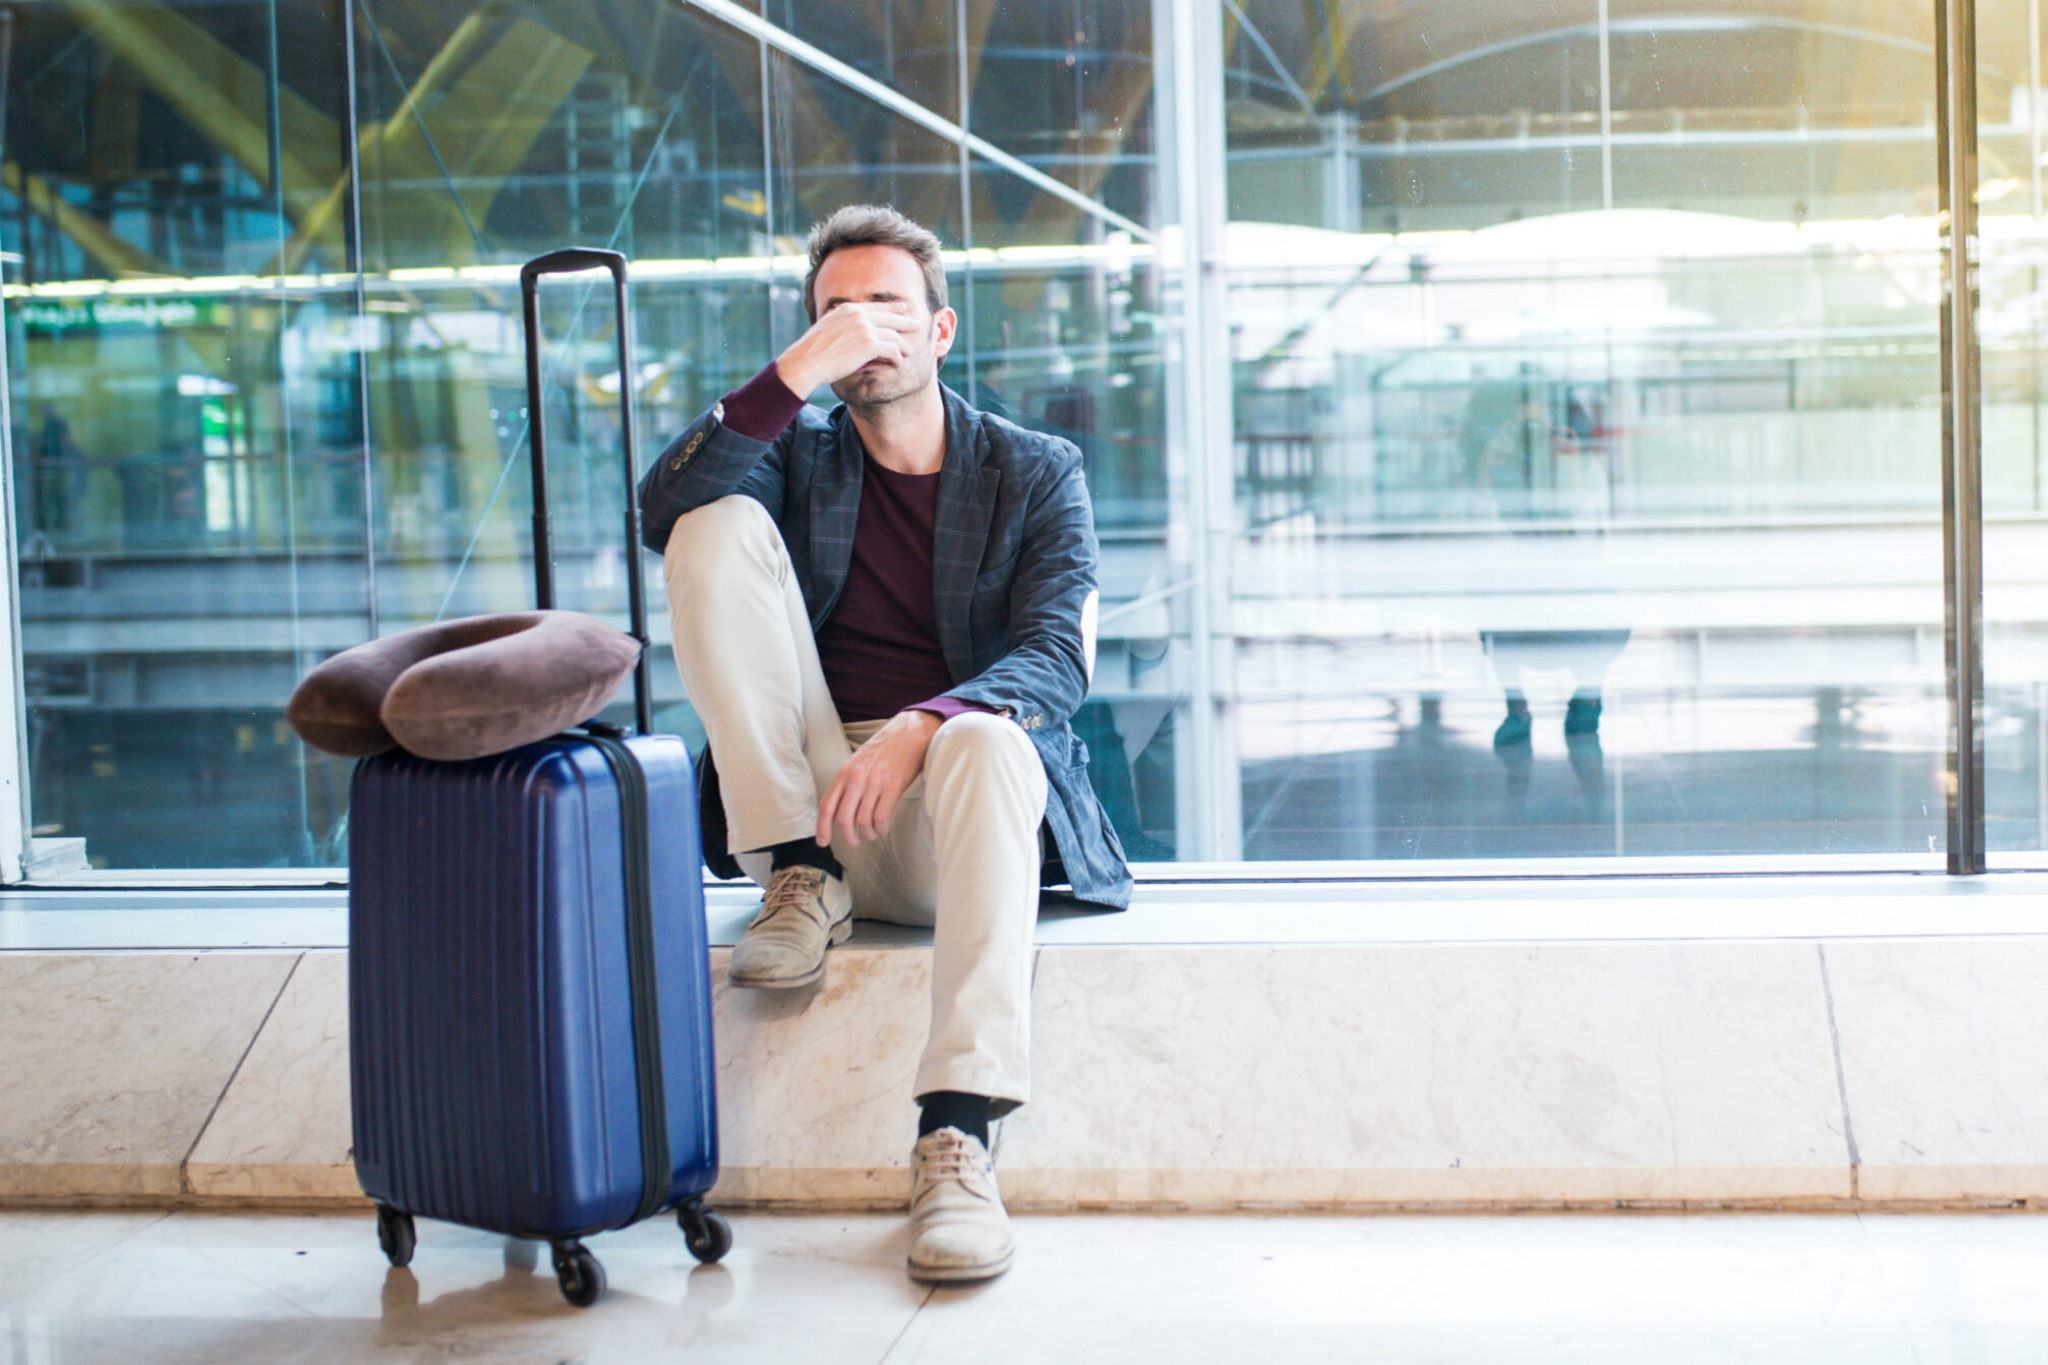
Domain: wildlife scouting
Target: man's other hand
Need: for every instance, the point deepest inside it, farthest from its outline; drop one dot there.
(838, 344)
(863, 797)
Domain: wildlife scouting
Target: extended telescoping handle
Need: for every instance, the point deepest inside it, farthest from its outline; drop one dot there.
(570, 260)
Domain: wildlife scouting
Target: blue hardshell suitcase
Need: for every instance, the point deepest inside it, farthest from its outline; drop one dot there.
(529, 980)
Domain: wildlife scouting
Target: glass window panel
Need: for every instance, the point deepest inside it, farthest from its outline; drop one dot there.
(2012, 321)
(636, 127)
(835, 146)
(1588, 493)
(1068, 320)
(1611, 391)
(188, 476)
(1067, 339)
(1067, 87)
(910, 46)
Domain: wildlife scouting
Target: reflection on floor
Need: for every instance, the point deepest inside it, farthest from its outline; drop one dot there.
(1829, 773)
(88, 1288)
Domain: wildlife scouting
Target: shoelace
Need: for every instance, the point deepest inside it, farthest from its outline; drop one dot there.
(951, 1159)
(788, 892)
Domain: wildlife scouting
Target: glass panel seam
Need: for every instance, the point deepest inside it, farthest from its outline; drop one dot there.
(16, 820)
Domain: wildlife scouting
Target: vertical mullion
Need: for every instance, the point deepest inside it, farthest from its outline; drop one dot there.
(1961, 445)
(966, 209)
(768, 207)
(287, 470)
(2034, 103)
(1606, 113)
(1206, 425)
(15, 818)
(354, 263)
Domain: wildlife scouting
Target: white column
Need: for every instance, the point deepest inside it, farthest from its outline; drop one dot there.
(1201, 434)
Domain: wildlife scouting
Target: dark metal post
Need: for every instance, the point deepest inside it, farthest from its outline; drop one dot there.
(536, 441)
(1955, 65)
(636, 579)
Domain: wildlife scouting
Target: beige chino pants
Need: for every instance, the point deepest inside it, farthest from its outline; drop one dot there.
(962, 853)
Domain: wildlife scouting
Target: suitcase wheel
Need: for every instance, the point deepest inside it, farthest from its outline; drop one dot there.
(395, 1235)
(579, 1274)
(705, 1232)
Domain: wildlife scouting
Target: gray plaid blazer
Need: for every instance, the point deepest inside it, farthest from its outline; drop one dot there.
(1014, 559)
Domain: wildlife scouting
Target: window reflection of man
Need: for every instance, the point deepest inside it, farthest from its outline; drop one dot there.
(57, 472)
(1524, 444)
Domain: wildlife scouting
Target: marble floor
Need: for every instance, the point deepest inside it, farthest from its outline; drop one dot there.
(86, 1288)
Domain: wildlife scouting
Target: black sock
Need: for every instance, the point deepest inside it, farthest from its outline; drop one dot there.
(806, 853)
(953, 1109)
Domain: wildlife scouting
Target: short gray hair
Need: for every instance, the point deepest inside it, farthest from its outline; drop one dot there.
(876, 225)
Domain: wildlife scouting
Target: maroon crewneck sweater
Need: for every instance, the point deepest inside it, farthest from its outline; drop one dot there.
(880, 645)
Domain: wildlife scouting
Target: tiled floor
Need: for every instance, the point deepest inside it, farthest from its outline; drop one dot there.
(84, 1288)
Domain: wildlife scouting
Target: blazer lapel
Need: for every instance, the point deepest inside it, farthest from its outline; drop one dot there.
(967, 504)
(835, 512)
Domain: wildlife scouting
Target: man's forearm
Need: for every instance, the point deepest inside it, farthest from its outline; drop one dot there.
(763, 407)
(716, 455)
(1039, 685)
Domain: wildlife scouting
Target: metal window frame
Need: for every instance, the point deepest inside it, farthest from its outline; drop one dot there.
(16, 826)
(1962, 465)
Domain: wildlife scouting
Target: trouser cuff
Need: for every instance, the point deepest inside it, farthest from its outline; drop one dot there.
(1005, 1092)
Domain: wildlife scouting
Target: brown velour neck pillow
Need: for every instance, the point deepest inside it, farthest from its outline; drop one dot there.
(463, 689)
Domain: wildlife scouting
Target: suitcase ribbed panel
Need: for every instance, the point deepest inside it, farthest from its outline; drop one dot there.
(491, 1034)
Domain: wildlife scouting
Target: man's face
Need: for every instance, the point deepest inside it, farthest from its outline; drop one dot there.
(888, 277)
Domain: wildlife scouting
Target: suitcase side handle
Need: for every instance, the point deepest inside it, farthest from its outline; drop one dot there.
(569, 260)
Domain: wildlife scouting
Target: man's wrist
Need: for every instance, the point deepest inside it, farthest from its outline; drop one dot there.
(943, 708)
(799, 381)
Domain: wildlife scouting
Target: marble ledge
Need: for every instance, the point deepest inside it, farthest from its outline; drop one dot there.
(1457, 1066)
(1358, 1078)
(116, 1062)
(282, 1128)
(1945, 1067)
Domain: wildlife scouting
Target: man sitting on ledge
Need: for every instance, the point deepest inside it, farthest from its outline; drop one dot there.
(878, 615)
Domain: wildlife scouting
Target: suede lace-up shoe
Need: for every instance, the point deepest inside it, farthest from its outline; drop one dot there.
(805, 911)
(958, 1228)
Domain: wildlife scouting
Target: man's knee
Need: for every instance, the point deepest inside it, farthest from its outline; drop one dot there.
(733, 529)
(978, 738)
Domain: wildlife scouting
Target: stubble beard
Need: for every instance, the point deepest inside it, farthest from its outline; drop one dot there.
(873, 390)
